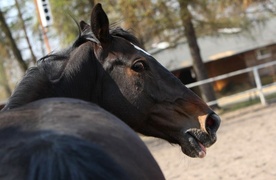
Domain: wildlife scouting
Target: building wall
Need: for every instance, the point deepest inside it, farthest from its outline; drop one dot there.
(260, 56)
(233, 63)
(241, 61)
(226, 65)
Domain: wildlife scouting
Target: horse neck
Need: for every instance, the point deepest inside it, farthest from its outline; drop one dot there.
(78, 88)
(33, 86)
(81, 79)
(84, 83)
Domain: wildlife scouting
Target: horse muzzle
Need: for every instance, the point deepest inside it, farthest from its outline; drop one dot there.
(197, 140)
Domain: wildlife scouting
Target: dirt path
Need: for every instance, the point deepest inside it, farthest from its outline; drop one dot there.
(245, 150)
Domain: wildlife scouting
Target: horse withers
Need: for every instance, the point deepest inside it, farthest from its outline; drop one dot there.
(62, 138)
(108, 67)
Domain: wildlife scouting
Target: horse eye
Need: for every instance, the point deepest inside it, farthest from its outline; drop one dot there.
(138, 66)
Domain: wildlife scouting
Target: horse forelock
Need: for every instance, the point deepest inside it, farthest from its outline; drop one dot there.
(121, 42)
(119, 32)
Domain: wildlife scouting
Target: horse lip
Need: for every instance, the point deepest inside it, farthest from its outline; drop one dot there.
(204, 138)
(198, 145)
(195, 142)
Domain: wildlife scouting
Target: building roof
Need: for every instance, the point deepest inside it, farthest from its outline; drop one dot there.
(216, 47)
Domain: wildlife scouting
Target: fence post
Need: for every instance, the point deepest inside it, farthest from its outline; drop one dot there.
(259, 85)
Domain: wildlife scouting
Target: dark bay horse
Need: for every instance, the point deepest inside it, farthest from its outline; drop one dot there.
(108, 67)
(69, 139)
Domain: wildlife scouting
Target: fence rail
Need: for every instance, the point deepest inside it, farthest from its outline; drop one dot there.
(259, 87)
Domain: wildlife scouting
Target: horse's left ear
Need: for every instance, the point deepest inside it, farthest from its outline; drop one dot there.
(100, 24)
(84, 26)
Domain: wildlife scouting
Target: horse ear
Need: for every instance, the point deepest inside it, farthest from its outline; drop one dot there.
(84, 26)
(100, 24)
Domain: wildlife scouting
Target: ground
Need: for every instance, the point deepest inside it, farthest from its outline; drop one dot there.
(244, 150)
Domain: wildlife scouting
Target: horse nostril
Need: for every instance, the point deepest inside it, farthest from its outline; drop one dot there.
(212, 123)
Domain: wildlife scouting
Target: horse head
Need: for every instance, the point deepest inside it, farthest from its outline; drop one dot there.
(146, 95)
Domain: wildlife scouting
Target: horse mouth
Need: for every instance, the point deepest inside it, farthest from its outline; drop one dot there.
(195, 143)
(196, 149)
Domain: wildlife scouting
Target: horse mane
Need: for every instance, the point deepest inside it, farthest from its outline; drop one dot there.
(87, 35)
(48, 155)
(50, 68)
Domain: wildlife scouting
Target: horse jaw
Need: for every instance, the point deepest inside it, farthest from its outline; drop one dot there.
(174, 123)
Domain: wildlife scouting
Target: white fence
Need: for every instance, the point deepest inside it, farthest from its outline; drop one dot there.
(241, 96)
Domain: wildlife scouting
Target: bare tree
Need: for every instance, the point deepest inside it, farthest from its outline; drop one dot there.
(25, 31)
(16, 52)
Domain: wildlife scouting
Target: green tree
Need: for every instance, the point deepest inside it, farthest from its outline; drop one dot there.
(65, 12)
(148, 20)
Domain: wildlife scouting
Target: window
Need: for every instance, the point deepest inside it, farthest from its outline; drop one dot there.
(263, 53)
